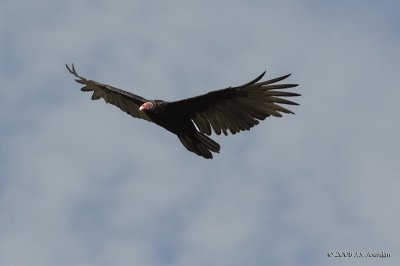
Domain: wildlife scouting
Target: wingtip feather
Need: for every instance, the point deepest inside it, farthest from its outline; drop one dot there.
(254, 80)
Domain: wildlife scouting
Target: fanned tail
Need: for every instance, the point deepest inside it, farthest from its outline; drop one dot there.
(199, 144)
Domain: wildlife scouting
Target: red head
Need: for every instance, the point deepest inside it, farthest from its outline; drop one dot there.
(146, 106)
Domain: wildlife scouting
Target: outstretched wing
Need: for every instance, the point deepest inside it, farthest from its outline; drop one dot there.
(126, 101)
(235, 108)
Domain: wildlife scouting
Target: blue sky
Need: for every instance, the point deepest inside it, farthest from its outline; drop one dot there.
(82, 183)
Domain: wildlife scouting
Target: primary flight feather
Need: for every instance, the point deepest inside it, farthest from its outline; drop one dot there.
(233, 109)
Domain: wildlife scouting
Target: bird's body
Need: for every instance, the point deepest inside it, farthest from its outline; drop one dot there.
(232, 109)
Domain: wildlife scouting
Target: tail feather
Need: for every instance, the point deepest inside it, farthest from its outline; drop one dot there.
(199, 144)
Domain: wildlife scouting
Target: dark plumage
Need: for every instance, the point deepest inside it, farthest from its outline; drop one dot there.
(233, 109)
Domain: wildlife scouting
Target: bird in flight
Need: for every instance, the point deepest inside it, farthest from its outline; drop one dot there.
(232, 109)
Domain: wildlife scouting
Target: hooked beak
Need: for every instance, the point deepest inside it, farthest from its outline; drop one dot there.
(141, 107)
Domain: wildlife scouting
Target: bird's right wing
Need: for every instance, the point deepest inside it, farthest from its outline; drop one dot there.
(236, 108)
(126, 101)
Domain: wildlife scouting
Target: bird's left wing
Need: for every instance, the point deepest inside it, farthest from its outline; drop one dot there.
(126, 101)
(235, 108)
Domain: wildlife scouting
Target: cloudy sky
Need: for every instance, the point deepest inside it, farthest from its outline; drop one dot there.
(82, 183)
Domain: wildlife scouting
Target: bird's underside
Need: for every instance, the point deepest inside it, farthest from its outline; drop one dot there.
(233, 109)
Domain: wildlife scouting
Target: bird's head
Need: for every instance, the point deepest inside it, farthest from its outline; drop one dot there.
(146, 106)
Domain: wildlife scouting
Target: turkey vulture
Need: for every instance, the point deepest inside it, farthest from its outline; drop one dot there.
(234, 109)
